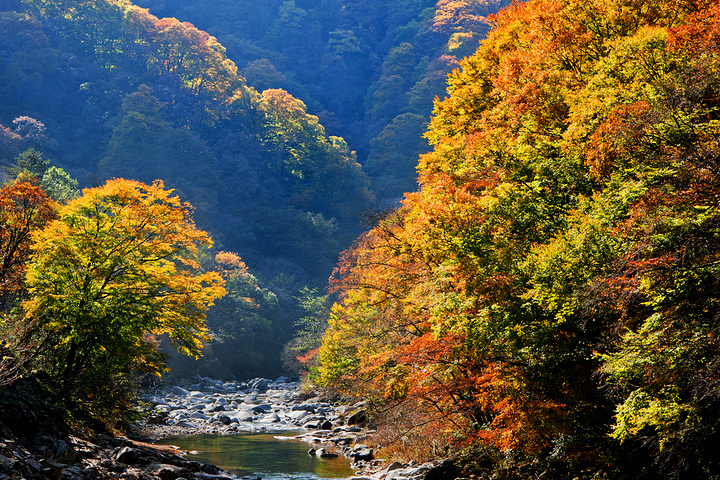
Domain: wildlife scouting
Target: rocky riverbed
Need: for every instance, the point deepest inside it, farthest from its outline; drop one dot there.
(208, 406)
(216, 407)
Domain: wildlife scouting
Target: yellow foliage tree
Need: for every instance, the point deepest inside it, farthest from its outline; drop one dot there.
(117, 268)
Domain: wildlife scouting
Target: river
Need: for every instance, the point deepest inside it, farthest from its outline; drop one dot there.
(262, 455)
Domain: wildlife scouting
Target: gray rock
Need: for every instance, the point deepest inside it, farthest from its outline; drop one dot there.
(128, 456)
(298, 415)
(224, 419)
(259, 384)
(168, 472)
(262, 408)
(322, 453)
(179, 391)
(241, 416)
(304, 407)
(393, 466)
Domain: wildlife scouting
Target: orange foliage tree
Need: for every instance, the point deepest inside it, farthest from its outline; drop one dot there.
(537, 292)
(24, 207)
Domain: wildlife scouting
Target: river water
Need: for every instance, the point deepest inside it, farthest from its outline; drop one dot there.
(262, 455)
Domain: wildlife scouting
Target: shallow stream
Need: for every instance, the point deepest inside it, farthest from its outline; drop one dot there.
(262, 455)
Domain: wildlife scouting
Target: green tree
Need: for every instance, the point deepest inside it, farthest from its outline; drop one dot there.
(244, 332)
(29, 163)
(300, 353)
(118, 267)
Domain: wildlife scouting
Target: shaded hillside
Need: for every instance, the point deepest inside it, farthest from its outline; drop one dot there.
(104, 89)
(369, 69)
(123, 93)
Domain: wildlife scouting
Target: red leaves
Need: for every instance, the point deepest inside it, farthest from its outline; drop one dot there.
(700, 34)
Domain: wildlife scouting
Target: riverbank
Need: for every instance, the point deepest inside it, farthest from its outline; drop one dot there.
(36, 444)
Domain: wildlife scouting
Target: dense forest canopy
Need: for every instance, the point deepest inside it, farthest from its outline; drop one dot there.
(552, 288)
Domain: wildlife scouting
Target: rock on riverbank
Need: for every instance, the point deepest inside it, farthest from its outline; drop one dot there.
(105, 457)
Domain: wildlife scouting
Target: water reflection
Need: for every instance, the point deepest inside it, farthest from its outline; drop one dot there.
(261, 454)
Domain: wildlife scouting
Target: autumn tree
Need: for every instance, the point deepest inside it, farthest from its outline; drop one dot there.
(563, 244)
(24, 208)
(116, 269)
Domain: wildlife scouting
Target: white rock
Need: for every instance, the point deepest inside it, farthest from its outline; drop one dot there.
(270, 418)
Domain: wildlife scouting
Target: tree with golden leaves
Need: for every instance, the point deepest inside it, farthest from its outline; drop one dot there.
(116, 269)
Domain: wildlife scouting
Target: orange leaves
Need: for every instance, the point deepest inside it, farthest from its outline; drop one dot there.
(619, 138)
(701, 34)
(574, 172)
(520, 418)
(229, 264)
(24, 207)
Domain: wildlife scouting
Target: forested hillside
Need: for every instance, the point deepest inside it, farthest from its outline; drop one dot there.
(104, 89)
(548, 301)
(369, 69)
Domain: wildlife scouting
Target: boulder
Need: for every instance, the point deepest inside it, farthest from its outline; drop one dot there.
(358, 418)
(305, 407)
(259, 384)
(128, 456)
(262, 408)
(168, 472)
(365, 454)
(298, 415)
(269, 418)
(445, 469)
(241, 416)
(224, 419)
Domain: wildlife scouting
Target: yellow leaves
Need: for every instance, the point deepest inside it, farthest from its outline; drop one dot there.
(229, 263)
(122, 257)
(662, 413)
